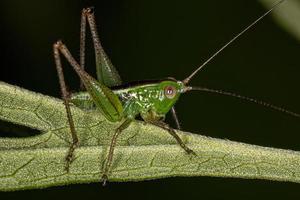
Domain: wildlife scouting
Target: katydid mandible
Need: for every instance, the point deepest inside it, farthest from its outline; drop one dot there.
(151, 100)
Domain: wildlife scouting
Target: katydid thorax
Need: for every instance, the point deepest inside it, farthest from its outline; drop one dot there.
(122, 103)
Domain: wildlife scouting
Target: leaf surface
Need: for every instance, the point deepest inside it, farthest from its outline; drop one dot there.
(143, 151)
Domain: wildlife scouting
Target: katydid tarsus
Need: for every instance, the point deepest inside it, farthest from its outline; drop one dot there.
(119, 103)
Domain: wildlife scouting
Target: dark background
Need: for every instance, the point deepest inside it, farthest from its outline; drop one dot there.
(155, 39)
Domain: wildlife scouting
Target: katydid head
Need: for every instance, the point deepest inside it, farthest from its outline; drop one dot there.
(169, 91)
(171, 88)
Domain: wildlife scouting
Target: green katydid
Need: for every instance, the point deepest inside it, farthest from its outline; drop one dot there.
(152, 100)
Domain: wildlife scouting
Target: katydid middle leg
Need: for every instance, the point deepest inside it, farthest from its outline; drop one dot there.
(108, 163)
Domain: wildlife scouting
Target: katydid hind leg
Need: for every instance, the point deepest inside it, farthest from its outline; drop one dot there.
(109, 160)
(104, 98)
(112, 109)
(165, 126)
(106, 72)
(82, 43)
(65, 95)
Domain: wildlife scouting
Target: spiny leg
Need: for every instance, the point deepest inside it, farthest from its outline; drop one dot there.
(173, 111)
(108, 163)
(65, 95)
(82, 43)
(89, 82)
(165, 126)
(58, 48)
(106, 72)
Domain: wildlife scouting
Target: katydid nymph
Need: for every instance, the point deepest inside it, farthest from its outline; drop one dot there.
(123, 103)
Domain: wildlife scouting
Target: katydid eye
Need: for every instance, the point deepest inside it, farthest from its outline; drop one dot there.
(170, 92)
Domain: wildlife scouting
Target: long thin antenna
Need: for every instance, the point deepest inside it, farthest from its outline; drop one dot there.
(222, 92)
(186, 80)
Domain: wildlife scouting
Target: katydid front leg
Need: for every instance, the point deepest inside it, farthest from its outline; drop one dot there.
(174, 115)
(170, 130)
(157, 120)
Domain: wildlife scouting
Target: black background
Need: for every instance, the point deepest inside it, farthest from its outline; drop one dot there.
(155, 39)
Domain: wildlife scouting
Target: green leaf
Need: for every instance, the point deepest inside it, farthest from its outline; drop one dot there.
(143, 151)
(287, 15)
